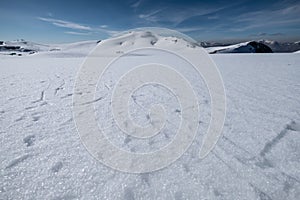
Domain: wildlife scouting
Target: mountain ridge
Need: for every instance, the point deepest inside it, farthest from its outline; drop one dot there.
(144, 38)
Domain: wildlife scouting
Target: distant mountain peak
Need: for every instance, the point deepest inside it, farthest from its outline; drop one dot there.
(245, 47)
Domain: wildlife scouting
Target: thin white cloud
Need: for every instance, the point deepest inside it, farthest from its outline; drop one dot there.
(79, 27)
(267, 24)
(66, 24)
(104, 29)
(266, 34)
(136, 4)
(179, 15)
(190, 29)
(268, 18)
(213, 17)
(77, 33)
(152, 16)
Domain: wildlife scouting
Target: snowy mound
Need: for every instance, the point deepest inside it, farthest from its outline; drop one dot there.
(246, 47)
(116, 45)
(77, 49)
(140, 39)
(122, 43)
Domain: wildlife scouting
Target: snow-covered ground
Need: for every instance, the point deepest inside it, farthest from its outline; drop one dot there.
(257, 157)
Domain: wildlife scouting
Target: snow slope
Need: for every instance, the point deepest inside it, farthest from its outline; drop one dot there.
(245, 47)
(122, 43)
(258, 156)
(81, 49)
(24, 48)
(277, 47)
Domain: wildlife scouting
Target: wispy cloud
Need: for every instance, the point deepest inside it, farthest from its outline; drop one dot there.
(266, 34)
(105, 29)
(177, 15)
(77, 33)
(213, 17)
(268, 18)
(136, 4)
(151, 16)
(190, 29)
(79, 27)
(65, 24)
(224, 19)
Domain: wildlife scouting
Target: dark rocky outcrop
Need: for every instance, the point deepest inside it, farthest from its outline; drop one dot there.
(15, 48)
(260, 47)
(247, 47)
(8, 48)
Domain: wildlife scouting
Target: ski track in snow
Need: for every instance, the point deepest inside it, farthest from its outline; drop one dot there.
(258, 156)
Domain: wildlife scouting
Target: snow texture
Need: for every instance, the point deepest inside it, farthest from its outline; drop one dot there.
(257, 157)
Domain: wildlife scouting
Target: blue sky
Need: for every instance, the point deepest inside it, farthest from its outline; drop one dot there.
(214, 20)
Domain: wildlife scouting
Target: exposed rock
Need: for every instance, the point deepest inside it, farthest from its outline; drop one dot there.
(260, 47)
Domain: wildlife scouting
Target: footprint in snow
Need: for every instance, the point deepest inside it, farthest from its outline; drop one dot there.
(30, 107)
(66, 197)
(57, 167)
(35, 118)
(29, 140)
(66, 96)
(178, 195)
(20, 118)
(128, 194)
(293, 126)
(145, 178)
(17, 161)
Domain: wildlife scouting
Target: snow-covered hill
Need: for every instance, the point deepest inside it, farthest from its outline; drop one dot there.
(277, 47)
(136, 38)
(282, 47)
(245, 47)
(119, 43)
(23, 48)
(42, 157)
